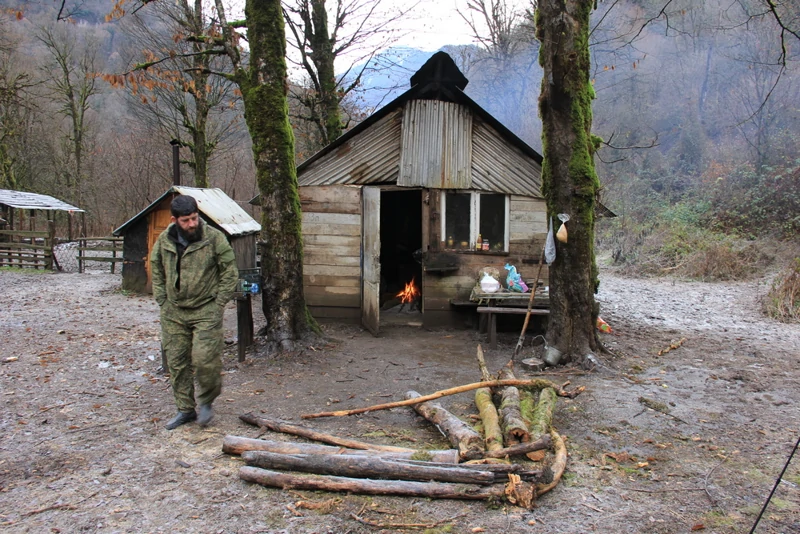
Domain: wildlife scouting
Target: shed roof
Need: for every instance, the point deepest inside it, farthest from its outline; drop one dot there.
(33, 201)
(211, 202)
(438, 79)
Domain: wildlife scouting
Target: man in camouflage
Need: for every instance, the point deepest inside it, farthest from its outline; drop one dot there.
(194, 276)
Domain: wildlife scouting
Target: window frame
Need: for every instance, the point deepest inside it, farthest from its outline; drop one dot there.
(474, 220)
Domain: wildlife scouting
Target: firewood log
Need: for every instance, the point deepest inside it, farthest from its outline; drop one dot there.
(559, 463)
(542, 416)
(436, 490)
(485, 376)
(238, 445)
(469, 443)
(514, 428)
(278, 426)
(365, 467)
(493, 434)
(520, 449)
(500, 469)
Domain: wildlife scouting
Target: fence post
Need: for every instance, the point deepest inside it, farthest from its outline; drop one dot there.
(49, 245)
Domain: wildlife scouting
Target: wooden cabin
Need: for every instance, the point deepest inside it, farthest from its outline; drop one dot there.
(407, 193)
(215, 207)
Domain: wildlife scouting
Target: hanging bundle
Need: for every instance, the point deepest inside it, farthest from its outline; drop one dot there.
(561, 235)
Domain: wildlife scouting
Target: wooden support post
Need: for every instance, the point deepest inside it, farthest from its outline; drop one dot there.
(244, 323)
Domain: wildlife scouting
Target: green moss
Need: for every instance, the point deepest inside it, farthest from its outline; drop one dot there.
(422, 456)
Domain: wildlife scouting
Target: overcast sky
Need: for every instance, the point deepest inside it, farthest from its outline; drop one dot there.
(436, 23)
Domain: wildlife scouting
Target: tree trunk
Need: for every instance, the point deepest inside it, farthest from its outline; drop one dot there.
(264, 91)
(469, 443)
(238, 445)
(322, 56)
(569, 180)
(364, 467)
(436, 490)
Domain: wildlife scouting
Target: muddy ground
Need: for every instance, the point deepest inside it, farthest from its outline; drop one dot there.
(83, 448)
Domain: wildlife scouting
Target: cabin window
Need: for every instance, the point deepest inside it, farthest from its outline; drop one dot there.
(469, 216)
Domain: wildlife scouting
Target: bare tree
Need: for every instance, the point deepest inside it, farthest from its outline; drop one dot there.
(177, 93)
(16, 108)
(71, 83)
(323, 35)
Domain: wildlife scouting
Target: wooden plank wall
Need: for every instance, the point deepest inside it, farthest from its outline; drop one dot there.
(528, 230)
(332, 250)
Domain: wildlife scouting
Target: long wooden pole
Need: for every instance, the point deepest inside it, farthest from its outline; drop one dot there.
(441, 490)
(278, 426)
(535, 383)
(530, 305)
(365, 467)
(239, 444)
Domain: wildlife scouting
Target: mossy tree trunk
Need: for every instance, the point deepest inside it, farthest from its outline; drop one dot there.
(323, 57)
(570, 183)
(264, 92)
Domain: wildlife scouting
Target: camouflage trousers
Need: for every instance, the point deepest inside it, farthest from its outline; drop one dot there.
(192, 339)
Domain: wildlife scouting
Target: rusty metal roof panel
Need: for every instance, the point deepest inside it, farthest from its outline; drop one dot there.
(371, 157)
(436, 145)
(502, 167)
(214, 204)
(221, 209)
(33, 201)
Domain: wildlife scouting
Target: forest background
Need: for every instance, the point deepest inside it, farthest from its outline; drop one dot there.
(697, 103)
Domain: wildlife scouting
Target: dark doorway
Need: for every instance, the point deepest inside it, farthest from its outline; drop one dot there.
(401, 237)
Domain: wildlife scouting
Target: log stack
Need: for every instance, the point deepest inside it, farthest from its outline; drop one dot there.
(478, 467)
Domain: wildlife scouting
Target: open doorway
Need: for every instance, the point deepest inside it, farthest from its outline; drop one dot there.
(401, 244)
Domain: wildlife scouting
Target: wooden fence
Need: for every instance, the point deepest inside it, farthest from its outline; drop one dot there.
(19, 248)
(95, 245)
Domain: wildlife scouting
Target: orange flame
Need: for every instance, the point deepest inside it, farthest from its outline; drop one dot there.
(409, 293)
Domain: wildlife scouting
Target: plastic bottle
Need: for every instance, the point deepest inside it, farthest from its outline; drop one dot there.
(479, 243)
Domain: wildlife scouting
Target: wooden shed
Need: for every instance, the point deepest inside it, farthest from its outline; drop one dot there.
(407, 194)
(29, 228)
(215, 207)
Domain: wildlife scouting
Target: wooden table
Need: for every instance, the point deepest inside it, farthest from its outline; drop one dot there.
(490, 305)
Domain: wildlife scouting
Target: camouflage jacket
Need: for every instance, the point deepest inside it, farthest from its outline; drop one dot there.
(207, 269)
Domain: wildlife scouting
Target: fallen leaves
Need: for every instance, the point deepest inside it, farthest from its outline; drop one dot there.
(672, 346)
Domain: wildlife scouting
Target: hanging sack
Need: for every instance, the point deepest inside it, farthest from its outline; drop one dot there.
(550, 245)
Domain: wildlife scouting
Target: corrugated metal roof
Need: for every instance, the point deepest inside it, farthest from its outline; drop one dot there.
(437, 145)
(214, 204)
(500, 166)
(371, 157)
(33, 201)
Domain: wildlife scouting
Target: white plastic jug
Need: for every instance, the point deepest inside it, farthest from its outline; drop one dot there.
(489, 284)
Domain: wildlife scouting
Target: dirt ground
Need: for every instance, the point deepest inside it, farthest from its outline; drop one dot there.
(83, 448)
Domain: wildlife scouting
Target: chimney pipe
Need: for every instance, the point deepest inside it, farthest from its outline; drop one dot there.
(176, 162)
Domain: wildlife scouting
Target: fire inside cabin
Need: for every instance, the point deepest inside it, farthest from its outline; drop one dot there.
(401, 244)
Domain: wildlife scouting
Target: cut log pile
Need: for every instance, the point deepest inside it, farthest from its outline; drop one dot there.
(516, 422)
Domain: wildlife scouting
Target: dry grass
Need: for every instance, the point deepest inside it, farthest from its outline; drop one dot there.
(783, 300)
